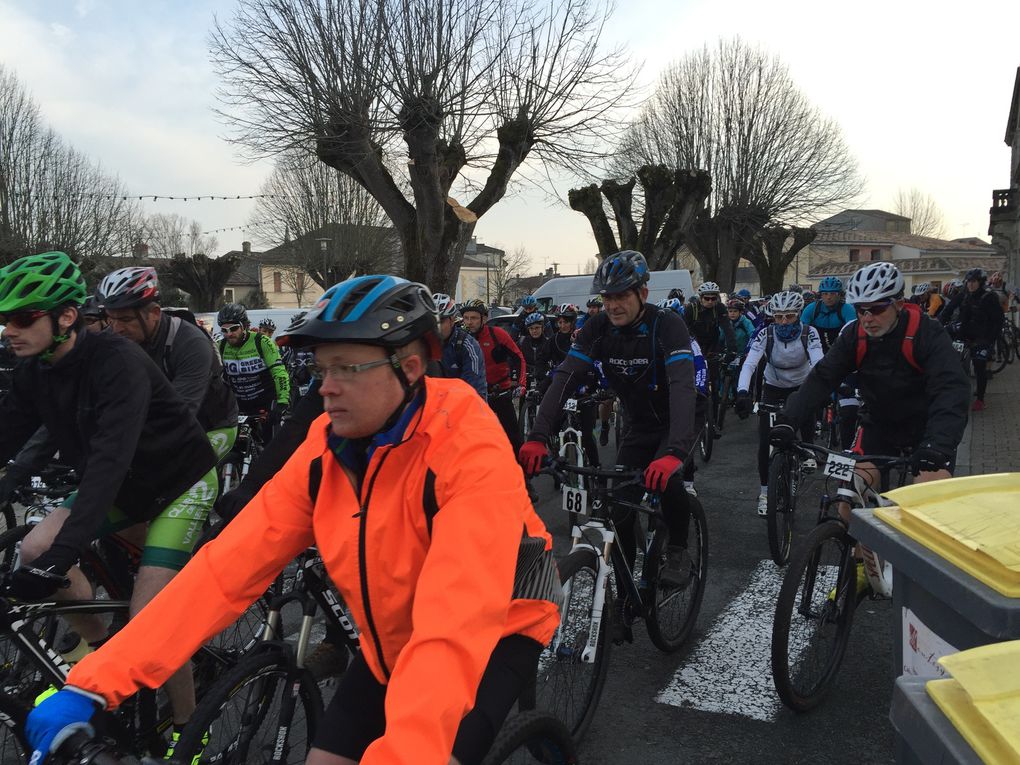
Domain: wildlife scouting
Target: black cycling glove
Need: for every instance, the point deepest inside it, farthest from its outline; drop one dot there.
(43, 576)
(927, 460)
(743, 405)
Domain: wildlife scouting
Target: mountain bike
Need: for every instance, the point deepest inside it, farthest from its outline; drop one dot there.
(572, 668)
(82, 749)
(728, 378)
(267, 707)
(815, 608)
(528, 407)
(247, 447)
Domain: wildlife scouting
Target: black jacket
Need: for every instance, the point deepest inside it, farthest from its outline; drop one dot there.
(649, 365)
(981, 317)
(910, 408)
(116, 420)
(705, 323)
(537, 355)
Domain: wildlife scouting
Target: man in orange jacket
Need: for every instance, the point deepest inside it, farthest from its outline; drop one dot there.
(409, 488)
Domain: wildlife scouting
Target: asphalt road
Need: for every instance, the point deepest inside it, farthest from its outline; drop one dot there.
(713, 701)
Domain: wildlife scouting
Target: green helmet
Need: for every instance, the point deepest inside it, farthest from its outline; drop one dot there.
(45, 281)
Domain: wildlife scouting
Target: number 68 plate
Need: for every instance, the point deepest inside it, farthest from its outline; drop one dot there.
(575, 500)
(840, 467)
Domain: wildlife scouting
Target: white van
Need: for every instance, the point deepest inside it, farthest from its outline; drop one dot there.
(577, 289)
(280, 316)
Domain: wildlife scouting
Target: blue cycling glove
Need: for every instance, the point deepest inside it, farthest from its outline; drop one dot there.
(55, 719)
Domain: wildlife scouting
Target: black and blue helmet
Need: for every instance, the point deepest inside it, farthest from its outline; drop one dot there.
(623, 271)
(373, 310)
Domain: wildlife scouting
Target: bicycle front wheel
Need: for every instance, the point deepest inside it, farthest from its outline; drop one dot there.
(707, 442)
(814, 614)
(533, 737)
(781, 500)
(673, 610)
(241, 714)
(567, 686)
(1000, 355)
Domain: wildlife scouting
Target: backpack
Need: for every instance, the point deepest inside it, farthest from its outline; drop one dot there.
(770, 343)
(913, 312)
(260, 339)
(460, 337)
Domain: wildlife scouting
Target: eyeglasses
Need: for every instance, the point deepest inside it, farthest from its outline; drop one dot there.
(90, 320)
(876, 309)
(228, 328)
(785, 316)
(710, 298)
(344, 372)
(22, 319)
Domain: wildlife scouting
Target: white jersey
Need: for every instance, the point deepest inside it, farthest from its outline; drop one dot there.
(789, 365)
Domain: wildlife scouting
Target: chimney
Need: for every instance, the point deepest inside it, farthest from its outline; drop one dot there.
(246, 249)
(548, 273)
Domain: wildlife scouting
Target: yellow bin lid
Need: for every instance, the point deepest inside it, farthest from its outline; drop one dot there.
(973, 522)
(982, 699)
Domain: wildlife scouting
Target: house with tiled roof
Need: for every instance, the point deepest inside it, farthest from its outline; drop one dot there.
(867, 220)
(1004, 215)
(838, 252)
(245, 278)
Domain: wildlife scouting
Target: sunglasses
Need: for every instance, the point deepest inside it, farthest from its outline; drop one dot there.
(90, 320)
(22, 319)
(228, 328)
(873, 310)
(710, 298)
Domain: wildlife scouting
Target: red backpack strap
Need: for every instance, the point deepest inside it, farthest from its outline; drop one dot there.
(913, 324)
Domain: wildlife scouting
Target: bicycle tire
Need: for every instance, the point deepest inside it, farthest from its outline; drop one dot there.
(13, 746)
(720, 414)
(270, 666)
(8, 516)
(781, 502)
(799, 690)
(707, 441)
(533, 737)
(1000, 356)
(565, 685)
(666, 631)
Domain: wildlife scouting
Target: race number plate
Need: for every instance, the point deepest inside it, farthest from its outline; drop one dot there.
(575, 500)
(570, 405)
(839, 467)
(958, 346)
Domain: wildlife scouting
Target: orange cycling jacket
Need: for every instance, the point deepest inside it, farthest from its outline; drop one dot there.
(430, 603)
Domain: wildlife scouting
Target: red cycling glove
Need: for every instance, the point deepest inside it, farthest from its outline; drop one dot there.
(531, 455)
(659, 471)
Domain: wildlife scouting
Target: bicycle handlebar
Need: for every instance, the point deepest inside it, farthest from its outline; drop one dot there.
(879, 460)
(82, 749)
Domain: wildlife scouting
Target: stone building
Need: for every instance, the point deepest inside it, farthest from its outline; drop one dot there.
(1004, 215)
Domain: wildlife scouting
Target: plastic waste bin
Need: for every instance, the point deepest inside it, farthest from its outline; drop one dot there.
(924, 735)
(954, 547)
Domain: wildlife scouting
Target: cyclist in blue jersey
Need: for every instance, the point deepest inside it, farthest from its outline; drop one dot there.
(594, 306)
(462, 355)
(743, 328)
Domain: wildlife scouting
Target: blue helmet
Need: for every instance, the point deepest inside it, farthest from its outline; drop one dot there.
(672, 304)
(620, 272)
(374, 310)
(528, 301)
(830, 284)
(744, 294)
(535, 317)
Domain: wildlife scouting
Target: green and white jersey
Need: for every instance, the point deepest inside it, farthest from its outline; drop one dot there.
(255, 373)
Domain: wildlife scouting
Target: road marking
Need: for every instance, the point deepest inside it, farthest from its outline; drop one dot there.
(731, 669)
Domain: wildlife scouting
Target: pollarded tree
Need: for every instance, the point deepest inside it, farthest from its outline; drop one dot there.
(926, 217)
(411, 98)
(667, 206)
(774, 159)
(202, 277)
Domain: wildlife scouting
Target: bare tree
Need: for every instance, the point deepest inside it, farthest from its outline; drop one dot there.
(168, 235)
(52, 197)
(926, 217)
(774, 159)
(298, 281)
(670, 201)
(410, 97)
(202, 277)
(774, 251)
(510, 267)
(330, 225)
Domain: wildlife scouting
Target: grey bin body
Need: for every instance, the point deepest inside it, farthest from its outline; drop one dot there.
(924, 735)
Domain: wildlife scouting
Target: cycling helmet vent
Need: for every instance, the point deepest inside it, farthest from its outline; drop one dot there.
(708, 288)
(534, 318)
(445, 305)
(785, 302)
(831, 284)
(45, 281)
(618, 273)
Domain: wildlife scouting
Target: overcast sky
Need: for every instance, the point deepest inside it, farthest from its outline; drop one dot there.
(922, 95)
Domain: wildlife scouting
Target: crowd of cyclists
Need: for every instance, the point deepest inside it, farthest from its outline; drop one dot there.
(438, 552)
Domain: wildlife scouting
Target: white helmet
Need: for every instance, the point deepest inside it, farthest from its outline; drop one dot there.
(876, 281)
(708, 288)
(445, 306)
(921, 289)
(785, 302)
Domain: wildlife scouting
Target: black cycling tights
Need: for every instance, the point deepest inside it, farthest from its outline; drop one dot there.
(980, 376)
(638, 450)
(774, 395)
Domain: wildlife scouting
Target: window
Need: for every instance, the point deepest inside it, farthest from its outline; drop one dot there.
(855, 256)
(277, 281)
(876, 254)
(228, 296)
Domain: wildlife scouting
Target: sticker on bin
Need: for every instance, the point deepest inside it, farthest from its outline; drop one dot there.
(575, 500)
(922, 648)
(840, 467)
(570, 405)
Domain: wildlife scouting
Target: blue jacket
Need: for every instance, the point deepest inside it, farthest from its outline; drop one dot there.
(462, 357)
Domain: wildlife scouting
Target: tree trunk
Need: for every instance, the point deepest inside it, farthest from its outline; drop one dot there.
(588, 202)
(771, 260)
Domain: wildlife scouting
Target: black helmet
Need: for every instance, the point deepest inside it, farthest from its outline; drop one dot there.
(374, 310)
(91, 308)
(131, 287)
(976, 274)
(233, 313)
(475, 305)
(296, 317)
(268, 323)
(623, 271)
